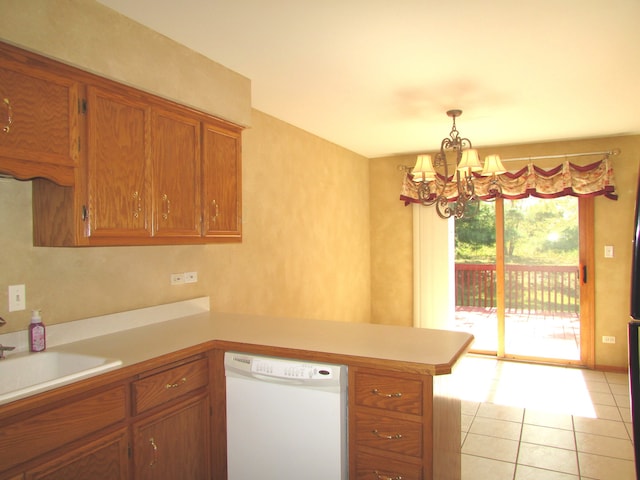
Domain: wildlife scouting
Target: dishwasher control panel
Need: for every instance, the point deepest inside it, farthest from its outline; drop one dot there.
(280, 368)
(275, 368)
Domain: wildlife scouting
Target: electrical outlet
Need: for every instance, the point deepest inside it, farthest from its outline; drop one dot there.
(177, 278)
(190, 277)
(608, 339)
(17, 298)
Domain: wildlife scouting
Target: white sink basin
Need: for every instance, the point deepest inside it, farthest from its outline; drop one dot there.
(23, 374)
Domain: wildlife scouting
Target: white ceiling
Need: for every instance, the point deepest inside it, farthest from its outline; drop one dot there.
(377, 76)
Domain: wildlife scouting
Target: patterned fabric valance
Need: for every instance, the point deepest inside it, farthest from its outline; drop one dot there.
(565, 179)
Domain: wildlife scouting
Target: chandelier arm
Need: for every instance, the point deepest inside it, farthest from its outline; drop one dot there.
(443, 208)
(425, 194)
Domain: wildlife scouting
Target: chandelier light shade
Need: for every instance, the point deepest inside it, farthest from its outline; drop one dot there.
(470, 161)
(493, 165)
(423, 171)
(455, 196)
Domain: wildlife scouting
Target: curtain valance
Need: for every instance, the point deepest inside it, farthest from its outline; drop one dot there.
(565, 179)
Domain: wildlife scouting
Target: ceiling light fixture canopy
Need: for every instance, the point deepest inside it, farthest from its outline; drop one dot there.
(455, 196)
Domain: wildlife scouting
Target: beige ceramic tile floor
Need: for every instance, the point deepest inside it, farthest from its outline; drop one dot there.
(526, 422)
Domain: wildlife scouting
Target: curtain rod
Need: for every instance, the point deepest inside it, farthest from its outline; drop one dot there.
(615, 151)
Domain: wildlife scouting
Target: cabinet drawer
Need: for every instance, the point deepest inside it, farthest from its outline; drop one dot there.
(165, 386)
(389, 393)
(43, 432)
(370, 467)
(389, 434)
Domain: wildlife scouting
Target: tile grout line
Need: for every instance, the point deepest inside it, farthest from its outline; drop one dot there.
(515, 469)
(575, 444)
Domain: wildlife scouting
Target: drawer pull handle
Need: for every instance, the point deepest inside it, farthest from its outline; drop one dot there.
(182, 381)
(7, 127)
(167, 206)
(154, 460)
(382, 476)
(397, 436)
(216, 209)
(375, 391)
(137, 207)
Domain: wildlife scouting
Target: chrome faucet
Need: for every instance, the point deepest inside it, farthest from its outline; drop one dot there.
(2, 347)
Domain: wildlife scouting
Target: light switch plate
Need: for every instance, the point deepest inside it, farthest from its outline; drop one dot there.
(17, 298)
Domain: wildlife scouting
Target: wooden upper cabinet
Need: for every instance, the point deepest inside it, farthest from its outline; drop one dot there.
(175, 154)
(118, 165)
(38, 118)
(112, 165)
(222, 189)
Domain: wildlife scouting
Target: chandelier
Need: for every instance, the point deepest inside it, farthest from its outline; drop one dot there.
(435, 188)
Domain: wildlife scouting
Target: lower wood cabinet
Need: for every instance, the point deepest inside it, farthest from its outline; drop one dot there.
(161, 453)
(390, 437)
(106, 458)
(374, 467)
(171, 427)
(155, 425)
(64, 423)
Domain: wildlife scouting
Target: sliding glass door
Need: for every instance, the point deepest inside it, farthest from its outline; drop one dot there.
(518, 284)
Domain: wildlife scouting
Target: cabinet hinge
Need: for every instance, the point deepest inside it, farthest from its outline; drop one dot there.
(82, 106)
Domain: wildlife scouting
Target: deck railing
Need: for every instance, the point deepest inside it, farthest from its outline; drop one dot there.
(528, 288)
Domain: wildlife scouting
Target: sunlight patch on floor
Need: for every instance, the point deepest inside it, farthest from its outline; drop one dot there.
(479, 379)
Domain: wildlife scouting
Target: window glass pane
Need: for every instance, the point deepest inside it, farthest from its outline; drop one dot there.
(475, 264)
(542, 287)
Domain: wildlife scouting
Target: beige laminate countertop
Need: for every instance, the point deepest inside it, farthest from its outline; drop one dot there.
(432, 352)
(405, 349)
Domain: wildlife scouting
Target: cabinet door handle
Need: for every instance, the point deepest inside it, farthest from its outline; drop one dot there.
(137, 207)
(382, 476)
(167, 206)
(216, 209)
(7, 127)
(154, 447)
(375, 391)
(182, 381)
(396, 436)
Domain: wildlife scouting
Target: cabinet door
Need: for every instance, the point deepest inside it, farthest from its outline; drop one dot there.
(38, 119)
(118, 165)
(176, 174)
(174, 443)
(222, 182)
(106, 459)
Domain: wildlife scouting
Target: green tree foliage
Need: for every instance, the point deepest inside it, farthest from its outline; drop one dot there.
(537, 231)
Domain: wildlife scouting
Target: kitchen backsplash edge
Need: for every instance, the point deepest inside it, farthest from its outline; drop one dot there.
(67, 332)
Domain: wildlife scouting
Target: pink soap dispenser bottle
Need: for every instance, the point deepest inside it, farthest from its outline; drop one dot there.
(37, 337)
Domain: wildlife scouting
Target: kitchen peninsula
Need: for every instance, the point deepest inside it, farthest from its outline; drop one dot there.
(398, 378)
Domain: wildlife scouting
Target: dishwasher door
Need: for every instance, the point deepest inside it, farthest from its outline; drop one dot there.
(286, 419)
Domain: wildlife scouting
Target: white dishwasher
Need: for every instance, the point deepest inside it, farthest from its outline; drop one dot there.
(286, 419)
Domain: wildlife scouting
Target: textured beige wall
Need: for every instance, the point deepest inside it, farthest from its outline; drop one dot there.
(305, 251)
(391, 245)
